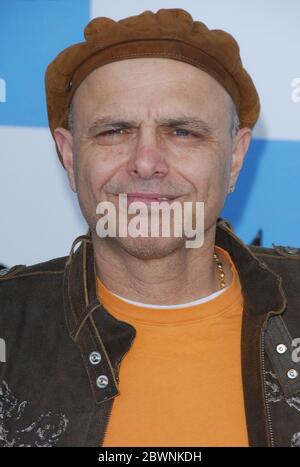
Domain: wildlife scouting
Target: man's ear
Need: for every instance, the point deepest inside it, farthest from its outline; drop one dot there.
(239, 149)
(64, 141)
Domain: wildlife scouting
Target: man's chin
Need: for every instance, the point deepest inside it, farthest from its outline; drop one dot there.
(150, 247)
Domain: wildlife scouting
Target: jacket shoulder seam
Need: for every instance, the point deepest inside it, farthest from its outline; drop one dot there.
(276, 255)
(28, 274)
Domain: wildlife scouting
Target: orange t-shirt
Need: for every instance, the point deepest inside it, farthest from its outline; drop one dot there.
(180, 382)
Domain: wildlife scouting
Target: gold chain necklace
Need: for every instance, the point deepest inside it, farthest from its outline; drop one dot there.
(221, 270)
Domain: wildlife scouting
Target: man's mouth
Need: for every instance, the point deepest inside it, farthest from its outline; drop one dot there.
(148, 198)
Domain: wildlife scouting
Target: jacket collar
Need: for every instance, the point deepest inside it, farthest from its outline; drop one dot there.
(261, 287)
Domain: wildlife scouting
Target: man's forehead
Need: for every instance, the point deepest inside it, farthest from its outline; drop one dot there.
(158, 78)
(148, 70)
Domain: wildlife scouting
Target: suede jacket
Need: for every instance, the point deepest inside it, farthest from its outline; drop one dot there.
(61, 350)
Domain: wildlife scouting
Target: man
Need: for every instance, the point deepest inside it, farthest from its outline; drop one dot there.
(140, 340)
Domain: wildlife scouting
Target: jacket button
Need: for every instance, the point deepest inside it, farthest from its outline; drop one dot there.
(102, 381)
(4, 271)
(291, 250)
(292, 374)
(95, 358)
(281, 348)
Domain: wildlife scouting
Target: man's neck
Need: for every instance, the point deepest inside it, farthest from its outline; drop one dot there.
(184, 275)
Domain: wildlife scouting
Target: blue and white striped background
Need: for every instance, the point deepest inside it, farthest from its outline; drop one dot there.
(39, 213)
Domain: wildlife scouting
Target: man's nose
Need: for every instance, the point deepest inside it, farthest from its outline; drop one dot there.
(148, 158)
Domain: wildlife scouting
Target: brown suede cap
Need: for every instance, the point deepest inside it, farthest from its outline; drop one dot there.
(169, 33)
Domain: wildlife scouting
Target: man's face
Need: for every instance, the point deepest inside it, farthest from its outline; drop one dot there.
(151, 125)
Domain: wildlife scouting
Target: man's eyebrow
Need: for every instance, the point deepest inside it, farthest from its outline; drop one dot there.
(109, 121)
(191, 122)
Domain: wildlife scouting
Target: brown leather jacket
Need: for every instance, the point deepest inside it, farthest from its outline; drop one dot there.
(64, 350)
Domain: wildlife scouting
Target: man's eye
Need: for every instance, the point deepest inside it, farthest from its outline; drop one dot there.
(112, 132)
(183, 132)
(113, 136)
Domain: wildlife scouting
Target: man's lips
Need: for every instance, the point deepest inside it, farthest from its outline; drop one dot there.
(150, 195)
(147, 198)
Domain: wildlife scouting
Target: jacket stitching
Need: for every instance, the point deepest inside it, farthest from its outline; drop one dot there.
(26, 274)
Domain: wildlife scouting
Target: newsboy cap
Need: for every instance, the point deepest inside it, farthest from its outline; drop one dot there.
(168, 33)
